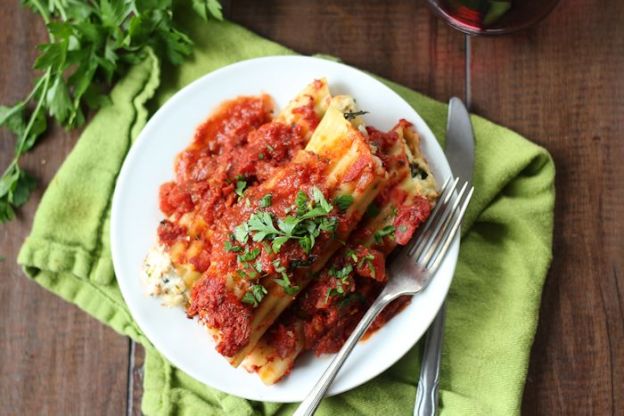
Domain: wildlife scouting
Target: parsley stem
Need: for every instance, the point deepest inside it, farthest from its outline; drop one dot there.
(34, 114)
(20, 107)
(42, 11)
(34, 90)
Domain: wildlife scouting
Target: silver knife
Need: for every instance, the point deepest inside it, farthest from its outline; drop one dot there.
(460, 155)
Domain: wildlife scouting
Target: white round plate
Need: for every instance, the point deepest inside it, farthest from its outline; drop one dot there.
(135, 217)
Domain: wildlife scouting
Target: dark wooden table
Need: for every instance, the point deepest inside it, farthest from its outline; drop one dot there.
(560, 84)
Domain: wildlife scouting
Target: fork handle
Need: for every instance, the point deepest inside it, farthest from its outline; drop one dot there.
(429, 381)
(313, 399)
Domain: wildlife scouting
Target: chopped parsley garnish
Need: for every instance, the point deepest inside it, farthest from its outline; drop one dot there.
(368, 259)
(266, 200)
(254, 295)
(319, 198)
(241, 185)
(277, 243)
(341, 276)
(284, 282)
(232, 248)
(343, 273)
(334, 291)
(242, 274)
(343, 202)
(351, 254)
(249, 255)
(312, 218)
(301, 200)
(241, 233)
(262, 224)
(267, 247)
(387, 231)
(350, 115)
(261, 156)
(278, 266)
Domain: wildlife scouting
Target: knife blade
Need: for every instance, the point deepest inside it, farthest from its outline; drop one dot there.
(459, 152)
(459, 149)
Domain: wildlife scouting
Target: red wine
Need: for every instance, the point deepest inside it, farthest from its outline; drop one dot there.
(491, 17)
(477, 14)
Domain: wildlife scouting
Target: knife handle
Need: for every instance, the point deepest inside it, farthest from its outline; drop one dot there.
(429, 381)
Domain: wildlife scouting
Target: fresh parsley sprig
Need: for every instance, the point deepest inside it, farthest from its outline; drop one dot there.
(91, 44)
(312, 217)
(254, 295)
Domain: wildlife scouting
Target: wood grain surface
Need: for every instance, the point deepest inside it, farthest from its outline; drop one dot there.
(54, 358)
(560, 84)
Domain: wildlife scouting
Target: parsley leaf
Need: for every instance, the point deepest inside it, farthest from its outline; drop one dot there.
(249, 255)
(241, 184)
(254, 295)
(319, 198)
(266, 200)
(351, 254)
(285, 283)
(388, 230)
(334, 291)
(241, 233)
(368, 259)
(232, 248)
(343, 202)
(206, 7)
(262, 224)
(342, 276)
(343, 273)
(301, 201)
(277, 243)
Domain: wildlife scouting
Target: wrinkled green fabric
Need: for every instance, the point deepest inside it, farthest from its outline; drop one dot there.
(493, 302)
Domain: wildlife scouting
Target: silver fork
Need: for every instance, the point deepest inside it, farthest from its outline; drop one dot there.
(410, 270)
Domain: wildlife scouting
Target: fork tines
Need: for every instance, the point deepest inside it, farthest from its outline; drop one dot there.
(435, 238)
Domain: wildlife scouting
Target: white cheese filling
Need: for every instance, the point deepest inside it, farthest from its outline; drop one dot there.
(162, 280)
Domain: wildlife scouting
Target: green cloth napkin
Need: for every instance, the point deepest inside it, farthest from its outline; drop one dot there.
(492, 306)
